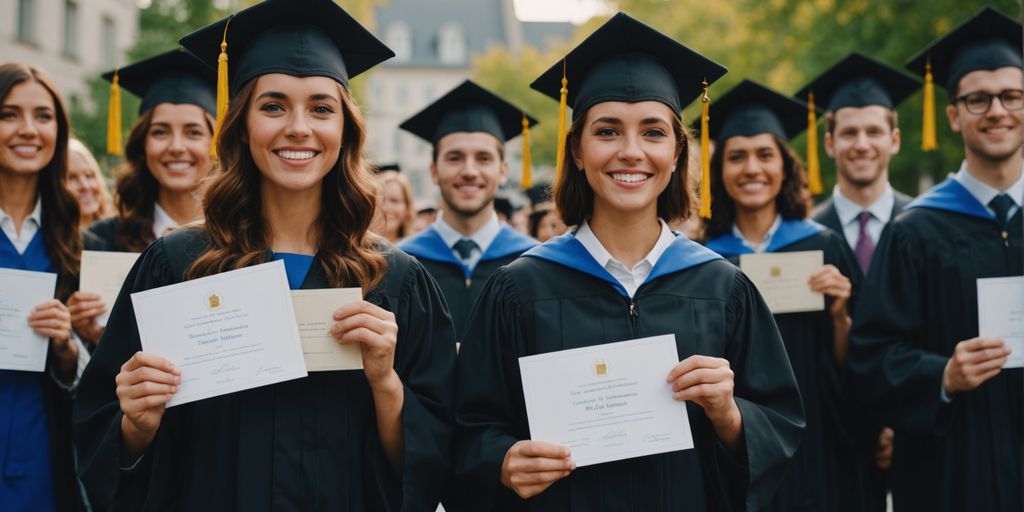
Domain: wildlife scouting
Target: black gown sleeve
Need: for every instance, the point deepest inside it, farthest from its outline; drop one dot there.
(766, 393)
(97, 412)
(425, 361)
(486, 420)
(896, 375)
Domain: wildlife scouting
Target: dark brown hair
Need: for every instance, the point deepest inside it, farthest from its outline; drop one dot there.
(138, 190)
(575, 199)
(59, 208)
(789, 202)
(238, 235)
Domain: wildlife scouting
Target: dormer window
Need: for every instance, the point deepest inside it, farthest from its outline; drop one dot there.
(451, 44)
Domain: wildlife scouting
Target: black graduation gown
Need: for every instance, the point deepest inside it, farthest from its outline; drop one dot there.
(459, 285)
(834, 468)
(305, 444)
(558, 297)
(826, 215)
(919, 301)
(100, 236)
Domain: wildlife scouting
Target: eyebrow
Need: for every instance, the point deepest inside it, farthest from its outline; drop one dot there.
(282, 96)
(615, 120)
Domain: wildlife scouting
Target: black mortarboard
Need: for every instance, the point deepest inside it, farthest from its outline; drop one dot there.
(988, 40)
(172, 77)
(626, 60)
(294, 37)
(468, 108)
(503, 205)
(859, 81)
(752, 109)
(539, 193)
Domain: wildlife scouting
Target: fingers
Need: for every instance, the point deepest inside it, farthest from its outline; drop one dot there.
(147, 389)
(363, 307)
(975, 344)
(141, 359)
(701, 376)
(981, 350)
(543, 449)
(363, 321)
(693, 362)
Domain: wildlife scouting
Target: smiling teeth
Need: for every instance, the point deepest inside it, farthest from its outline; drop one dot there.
(179, 166)
(296, 155)
(630, 178)
(25, 149)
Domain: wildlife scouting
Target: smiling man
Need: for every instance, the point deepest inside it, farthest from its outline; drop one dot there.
(916, 348)
(862, 136)
(468, 128)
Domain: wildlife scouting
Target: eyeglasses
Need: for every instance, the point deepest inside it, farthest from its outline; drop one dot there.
(980, 102)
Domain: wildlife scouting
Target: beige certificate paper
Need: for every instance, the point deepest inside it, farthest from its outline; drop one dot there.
(103, 273)
(606, 402)
(314, 312)
(20, 291)
(1001, 314)
(782, 278)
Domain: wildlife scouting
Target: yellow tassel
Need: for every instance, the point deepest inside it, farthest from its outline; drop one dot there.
(527, 178)
(563, 98)
(222, 90)
(114, 146)
(813, 164)
(929, 141)
(705, 156)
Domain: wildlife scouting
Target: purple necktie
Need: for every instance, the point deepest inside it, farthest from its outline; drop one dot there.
(865, 247)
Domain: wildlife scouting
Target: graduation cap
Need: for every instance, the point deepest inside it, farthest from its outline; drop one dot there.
(299, 38)
(171, 77)
(539, 193)
(626, 60)
(856, 81)
(752, 109)
(503, 205)
(987, 41)
(471, 108)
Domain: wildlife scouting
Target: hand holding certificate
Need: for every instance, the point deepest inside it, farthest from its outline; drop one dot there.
(607, 402)
(20, 291)
(226, 333)
(1001, 314)
(782, 279)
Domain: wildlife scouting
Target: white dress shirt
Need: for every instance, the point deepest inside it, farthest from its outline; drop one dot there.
(483, 238)
(849, 211)
(630, 279)
(985, 193)
(765, 241)
(162, 221)
(21, 238)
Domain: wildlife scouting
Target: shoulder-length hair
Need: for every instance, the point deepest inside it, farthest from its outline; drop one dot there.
(575, 199)
(59, 208)
(137, 189)
(789, 202)
(238, 236)
(106, 209)
(405, 224)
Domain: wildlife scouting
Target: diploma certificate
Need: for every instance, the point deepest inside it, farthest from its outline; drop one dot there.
(227, 332)
(20, 291)
(782, 277)
(607, 402)
(1001, 314)
(314, 311)
(103, 273)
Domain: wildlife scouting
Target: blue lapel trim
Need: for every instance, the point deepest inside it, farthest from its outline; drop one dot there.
(507, 243)
(789, 232)
(429, 245)
(951, 196)
(34, 257)
(566, 250)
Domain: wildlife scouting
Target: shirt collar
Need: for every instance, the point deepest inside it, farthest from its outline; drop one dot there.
(161, 220)
(983, 192)
(36, 215)
(586, 237)
(483, 237)
(847, 210)
(766, 241)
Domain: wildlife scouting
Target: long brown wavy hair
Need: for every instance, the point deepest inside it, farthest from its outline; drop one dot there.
(59, 208)
(138, 190)
(789, 202)
(238, 237)
(575, 199)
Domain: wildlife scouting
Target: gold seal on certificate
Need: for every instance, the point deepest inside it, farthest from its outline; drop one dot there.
(227, 332)
(20, 291)
(782, 279)
(103, 273)
(607, 402)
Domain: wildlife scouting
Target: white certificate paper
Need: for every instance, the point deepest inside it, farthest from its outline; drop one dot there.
(314, 311)
(606, 402)
(1001, 314)
(20, 291)
(782, 277)
(227, 332)
(103, 273)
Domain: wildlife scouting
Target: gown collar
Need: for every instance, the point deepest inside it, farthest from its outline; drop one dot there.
(789, 232)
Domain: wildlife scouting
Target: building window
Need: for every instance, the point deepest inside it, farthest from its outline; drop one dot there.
(70, 29)
(399, 38)
(109, 42)
(26, 21)
(451, 44)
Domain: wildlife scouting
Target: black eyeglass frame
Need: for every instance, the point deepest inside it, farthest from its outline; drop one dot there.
(1002, 95)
